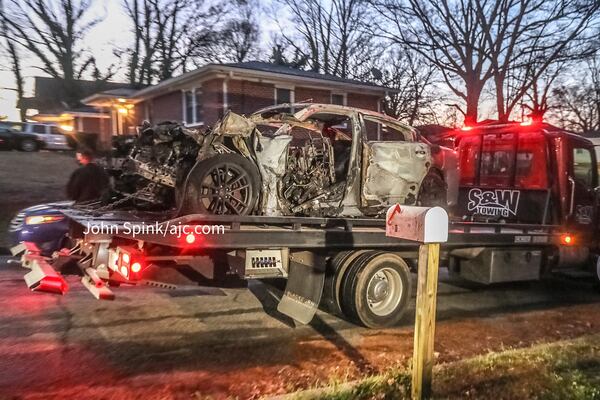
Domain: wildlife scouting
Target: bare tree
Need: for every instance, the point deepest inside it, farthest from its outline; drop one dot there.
(281, 55)
(410, 79)
(576, 106)
(170, 36)
(334, 36)
(473, 41)
(53, 32)
(525, 38)
(11, 49)
(537, 98)
(235, 39)
(448, 35)
(159, 28)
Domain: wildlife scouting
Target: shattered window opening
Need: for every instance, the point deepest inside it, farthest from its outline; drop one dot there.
(377, 130)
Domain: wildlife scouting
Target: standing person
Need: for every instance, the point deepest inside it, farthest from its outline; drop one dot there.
(88, 182)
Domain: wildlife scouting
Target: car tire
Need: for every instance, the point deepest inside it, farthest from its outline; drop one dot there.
(433, 191)
(225, 184)
(28, 145)
(376, 289)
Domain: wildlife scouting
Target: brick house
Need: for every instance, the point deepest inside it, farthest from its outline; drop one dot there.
(200, 97)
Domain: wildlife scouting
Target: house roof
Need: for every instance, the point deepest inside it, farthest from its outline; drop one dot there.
(259, 70)
(106, 98)
(51, 98)
(287, 70)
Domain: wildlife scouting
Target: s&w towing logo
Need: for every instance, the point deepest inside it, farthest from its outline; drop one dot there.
(494, 203)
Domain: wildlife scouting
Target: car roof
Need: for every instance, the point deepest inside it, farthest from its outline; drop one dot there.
(313, 108)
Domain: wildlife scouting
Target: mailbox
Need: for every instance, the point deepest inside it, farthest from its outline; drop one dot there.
(421, 224)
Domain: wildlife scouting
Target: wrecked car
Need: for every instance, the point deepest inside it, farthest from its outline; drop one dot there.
(292, 159)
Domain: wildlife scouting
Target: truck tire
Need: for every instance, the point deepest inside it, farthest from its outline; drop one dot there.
(223, 184)
(336, 269)
(376, 289)
(28, 145)
(433, 191)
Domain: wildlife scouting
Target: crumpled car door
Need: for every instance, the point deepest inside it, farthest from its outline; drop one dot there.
(393, 171)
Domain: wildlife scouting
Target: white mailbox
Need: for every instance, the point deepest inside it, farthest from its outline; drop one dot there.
(421, 224)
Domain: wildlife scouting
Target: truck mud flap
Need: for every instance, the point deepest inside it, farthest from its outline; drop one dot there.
(304, 287)
(43, 278)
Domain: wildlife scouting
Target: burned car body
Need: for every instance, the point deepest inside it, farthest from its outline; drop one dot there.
(299, 159)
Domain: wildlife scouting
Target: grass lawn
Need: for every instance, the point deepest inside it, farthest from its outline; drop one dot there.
(560, 370)
(27, 179)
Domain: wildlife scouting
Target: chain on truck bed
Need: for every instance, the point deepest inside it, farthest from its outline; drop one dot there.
(112, 205)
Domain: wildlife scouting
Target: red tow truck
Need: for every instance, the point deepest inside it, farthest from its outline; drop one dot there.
(527, 207)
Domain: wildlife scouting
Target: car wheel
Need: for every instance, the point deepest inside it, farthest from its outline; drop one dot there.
(433, 191)
(28, 145)
(376, 289)
(223, 184)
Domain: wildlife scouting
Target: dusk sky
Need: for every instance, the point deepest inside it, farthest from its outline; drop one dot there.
(113, 31)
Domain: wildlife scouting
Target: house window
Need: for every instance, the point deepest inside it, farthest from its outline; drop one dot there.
(192, 106)
(284, 96)
(198, 105)
(338, 98)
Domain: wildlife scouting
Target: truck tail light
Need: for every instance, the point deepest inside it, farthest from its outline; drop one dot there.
(190, 239)
(136, 267)
(567, 239)
(128, 262)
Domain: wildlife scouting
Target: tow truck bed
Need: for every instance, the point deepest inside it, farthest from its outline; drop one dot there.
(317, 256)
(262, 232)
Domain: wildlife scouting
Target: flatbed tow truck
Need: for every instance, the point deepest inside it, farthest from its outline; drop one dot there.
(517, 223)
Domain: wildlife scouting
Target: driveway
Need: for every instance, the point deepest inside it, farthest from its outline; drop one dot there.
(203, 341)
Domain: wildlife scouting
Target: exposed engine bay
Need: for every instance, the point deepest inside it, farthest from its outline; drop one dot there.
(265, 164)
(156, 163)
(309, 171)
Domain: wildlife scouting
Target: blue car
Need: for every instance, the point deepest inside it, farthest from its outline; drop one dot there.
(43, 225)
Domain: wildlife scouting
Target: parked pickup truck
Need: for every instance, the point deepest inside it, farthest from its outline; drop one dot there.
(49, 136)
(15, 140)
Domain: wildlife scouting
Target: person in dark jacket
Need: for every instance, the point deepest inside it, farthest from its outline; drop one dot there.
(88, 182)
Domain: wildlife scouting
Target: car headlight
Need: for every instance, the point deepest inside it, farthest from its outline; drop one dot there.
(42, 219)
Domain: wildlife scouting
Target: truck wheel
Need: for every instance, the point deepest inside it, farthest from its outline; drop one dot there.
(28, 145)
(376, 289)
(433, 191)
(338, 265)
(223, 184)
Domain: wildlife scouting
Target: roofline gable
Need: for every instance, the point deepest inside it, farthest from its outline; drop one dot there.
(177, 82)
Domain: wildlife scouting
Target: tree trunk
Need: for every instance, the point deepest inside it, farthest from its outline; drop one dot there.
(473, 95)
(499, 82)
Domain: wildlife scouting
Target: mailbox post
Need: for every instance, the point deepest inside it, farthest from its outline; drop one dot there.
(428, 226)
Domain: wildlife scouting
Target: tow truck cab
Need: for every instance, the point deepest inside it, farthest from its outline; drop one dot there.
(525, 173)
